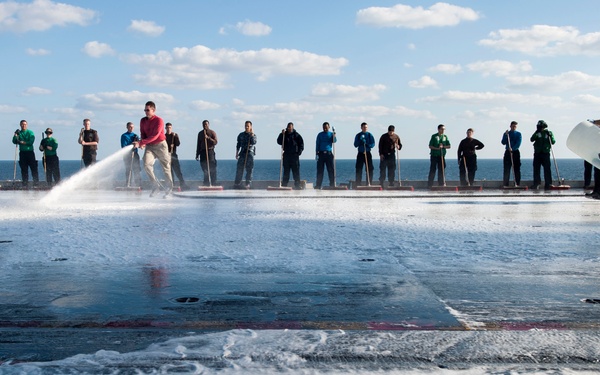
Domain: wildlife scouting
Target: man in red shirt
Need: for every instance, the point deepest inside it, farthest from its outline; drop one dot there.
(154, 141)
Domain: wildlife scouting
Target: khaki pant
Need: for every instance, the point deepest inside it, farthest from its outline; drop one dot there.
(158, 151)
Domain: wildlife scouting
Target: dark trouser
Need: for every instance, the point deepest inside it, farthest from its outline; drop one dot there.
(360, 161)
(211, 165)
(89, 158)
(245, 161)
(508, 165)
(596, 180)
(325, 158)
(387, 162)
(133, 169)
(52, 169)
(542, 159)
(469, 171)
(587, 173)
(27, 160)
(435, 162)
(176, 170)
(291, 162)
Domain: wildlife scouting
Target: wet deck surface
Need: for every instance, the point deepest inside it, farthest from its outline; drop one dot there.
(55, 310)
(378, 295)
(59, 307)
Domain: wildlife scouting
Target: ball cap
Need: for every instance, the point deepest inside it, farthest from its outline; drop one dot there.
(48, 131)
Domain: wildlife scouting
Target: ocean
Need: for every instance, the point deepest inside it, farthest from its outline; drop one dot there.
(410, 170)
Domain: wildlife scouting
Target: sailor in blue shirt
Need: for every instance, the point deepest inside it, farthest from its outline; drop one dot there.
(132, 161)
(364, 141)
(512, 156)
(325, 156)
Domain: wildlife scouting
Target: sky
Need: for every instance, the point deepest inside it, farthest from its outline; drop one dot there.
(412, 64)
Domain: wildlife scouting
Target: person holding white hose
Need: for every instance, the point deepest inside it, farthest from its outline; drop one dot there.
(153, 139)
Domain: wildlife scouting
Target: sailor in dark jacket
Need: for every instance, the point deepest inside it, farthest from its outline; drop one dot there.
(467, 158)
(389, 143)
(292, 145)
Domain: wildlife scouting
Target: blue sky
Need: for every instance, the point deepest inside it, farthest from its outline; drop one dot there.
(413, 64)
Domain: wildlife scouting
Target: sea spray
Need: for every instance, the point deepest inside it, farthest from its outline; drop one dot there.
(101, 174)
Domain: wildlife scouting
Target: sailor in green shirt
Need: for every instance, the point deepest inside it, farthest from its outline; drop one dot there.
(542, 139)
(438, 144)
(48, 146)
(25, 138)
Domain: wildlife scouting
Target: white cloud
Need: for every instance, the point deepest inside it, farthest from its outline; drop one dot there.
(494, 97)
(412, 46)
(201, 105)
(423, 82)
(127, 101)
(405, 16)
(587, 100)
(484, 118)
(65, 111)
(4, 108)
(330, 91)
(446, 68)
(501, 113)
(41, 15)
(97, 49)
(37, 52)
(68, 116)
(468, 115)
(237, 102)
(205, 68)
(250, 28)
(544, 40)
(572, 80)
(308, 110)
(36, 91)
(149, 28)
(499, 67)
